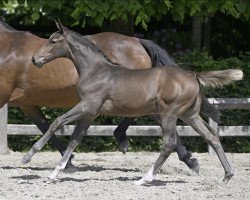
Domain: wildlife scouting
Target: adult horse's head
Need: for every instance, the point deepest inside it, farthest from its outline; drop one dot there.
(55, 47)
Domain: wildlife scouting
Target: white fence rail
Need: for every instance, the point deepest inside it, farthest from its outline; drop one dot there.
(3, 130)
(222, 103)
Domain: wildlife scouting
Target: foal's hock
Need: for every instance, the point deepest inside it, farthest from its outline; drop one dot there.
(167, 93)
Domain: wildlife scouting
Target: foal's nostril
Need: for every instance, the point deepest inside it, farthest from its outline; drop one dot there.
(33, 60)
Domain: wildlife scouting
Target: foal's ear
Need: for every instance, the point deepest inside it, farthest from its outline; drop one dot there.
(60, 27)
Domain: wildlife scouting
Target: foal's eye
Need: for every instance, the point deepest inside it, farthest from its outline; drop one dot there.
(53, 42)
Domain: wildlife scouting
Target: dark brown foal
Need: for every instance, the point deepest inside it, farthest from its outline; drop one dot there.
(167, 92)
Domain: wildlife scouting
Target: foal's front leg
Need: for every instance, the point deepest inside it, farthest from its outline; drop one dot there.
(72, 115)
(42, 123)
(80, 130)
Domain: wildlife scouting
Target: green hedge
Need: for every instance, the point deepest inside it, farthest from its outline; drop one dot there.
(198, 62)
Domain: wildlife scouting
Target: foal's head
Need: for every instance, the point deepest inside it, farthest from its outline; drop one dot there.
(55, 47)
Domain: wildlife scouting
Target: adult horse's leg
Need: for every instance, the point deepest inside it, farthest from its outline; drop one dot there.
(120, 134)
(42, 123)
(212, 137)
(168, 125)
(185, 156)
(80, 130)
(181, 150)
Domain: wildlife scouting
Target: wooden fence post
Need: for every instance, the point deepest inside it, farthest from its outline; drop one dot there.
(3, 129)
(214, 125)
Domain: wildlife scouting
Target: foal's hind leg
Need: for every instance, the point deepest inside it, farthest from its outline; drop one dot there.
(168, 126)
(79, 132)
(120, 134)
(183, 154)
(72, 115)
(212, 137)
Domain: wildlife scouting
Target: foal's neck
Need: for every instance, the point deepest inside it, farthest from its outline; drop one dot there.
(85, 56)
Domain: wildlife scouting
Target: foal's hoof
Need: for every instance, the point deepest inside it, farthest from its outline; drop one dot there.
(51, 180)
(26, 159)
(194, 166)
(123, 146)
(143, 181)
(140, 182)
(228, 177)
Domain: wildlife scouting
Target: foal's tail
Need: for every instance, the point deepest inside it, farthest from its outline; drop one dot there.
(216, 79)
(159, 56)
(219, 78)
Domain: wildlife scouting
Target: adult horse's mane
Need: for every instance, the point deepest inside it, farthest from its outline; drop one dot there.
(86, 42)
(6, 26)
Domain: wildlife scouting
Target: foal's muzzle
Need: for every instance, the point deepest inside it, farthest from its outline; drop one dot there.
(38, 64)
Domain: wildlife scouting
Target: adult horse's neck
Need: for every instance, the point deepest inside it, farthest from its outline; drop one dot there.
(6, 27)
(85, 55)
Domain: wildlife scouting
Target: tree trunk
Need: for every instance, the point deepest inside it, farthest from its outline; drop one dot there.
(197, 32)
(207, 35)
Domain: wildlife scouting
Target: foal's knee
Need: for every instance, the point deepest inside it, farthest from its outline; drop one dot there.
(56, 124)
(170, 145)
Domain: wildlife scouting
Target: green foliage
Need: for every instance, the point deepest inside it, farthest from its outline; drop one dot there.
(236, 8)
(114, 9)
(96, 12)
(225, 27)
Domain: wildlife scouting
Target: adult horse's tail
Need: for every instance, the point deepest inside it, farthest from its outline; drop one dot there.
(159, 56)
(219, 78)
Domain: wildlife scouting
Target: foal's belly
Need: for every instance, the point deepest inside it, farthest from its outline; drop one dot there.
(109, 108)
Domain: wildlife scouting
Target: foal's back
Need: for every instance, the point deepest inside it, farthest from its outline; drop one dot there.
(139, 92)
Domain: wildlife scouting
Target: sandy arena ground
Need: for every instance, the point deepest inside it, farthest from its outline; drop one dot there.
(111, 176)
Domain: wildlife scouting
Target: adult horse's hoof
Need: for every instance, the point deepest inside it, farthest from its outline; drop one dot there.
(228, 177)
(70, 168)
(123, 146)
(194, 166)
(26, 159)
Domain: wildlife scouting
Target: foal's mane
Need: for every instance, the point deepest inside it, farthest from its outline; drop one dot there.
(86, 42)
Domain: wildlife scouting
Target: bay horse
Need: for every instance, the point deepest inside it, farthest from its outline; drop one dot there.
(24, 86)
(166, 92)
